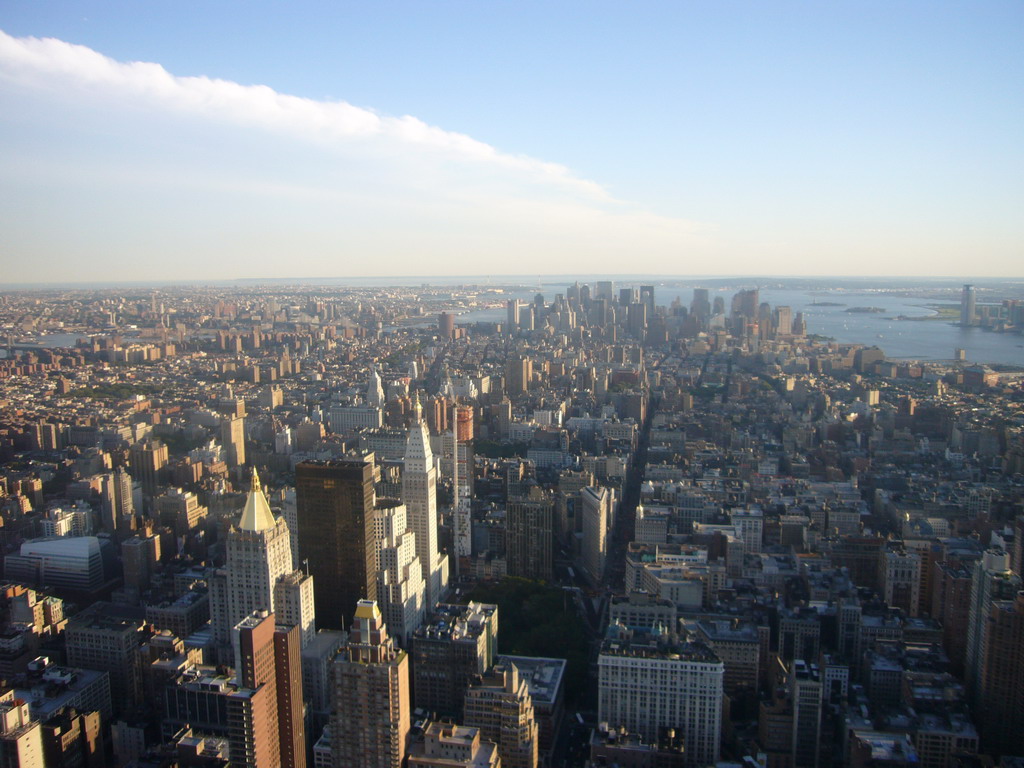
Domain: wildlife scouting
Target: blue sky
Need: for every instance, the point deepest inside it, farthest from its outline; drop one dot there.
(270, 139)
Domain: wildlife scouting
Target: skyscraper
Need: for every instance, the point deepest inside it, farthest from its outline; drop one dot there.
(805, 685)
(529, 538)
(291, 704)
(334, 507)
(401, 590)
(294, 604)
(117, 502)
(371, 696)
(146, 460)
(700, 307)
(501, 707)
(636, 319)
(266, 710)
(518, 373)
(232, 437)
(512, 320)
(258, 555)
(647, 298)
(967, 308)
(456, 643)
(1001, 681)
(419, 492)
(97, 641)
(993, 580)
(254, 739)
(375, 391)
(446, 325)
(457, 455)
(595, 513)
(783, 321)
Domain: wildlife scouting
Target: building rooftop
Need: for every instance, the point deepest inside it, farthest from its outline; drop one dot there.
(728, 631)
(455, 622)
(55, 688)
(656, 644)
(543, 675)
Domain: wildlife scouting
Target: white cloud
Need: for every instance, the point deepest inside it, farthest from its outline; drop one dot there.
(209, 178)
(29, 59)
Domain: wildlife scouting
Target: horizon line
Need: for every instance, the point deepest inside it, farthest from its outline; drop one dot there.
(449, 279)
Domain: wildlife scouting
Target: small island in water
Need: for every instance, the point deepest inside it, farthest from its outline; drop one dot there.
(866, 310)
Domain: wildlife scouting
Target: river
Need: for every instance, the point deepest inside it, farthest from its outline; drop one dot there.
(914, 339)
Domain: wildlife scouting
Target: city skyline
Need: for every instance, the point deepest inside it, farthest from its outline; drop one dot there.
(676, 527)
(458, 139)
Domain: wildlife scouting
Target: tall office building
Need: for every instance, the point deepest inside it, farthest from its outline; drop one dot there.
(700, 307)
(375, 391)
(419, 492)
(512, 319)
(901, 580)
(967, 306)
(294, 604)
(254, 739)
(783, 321)
(258, 555)
(595, 513)
(457, 461)
(992, 580)
(1001, 682)
(401, 590)
(456, 643)
(745, 303)
(371, 696)
(446, 325)
(139, 556)
(805, 687)
(647, 299)
(653, 680)
(146, 462)
(116, 499)
(462, 482)
(232, 437)
(529, 537)
(334, 506)
(636, 320)
(97, 641)
(265, 712)
(501, 707)
(291, 701)
(518, 373)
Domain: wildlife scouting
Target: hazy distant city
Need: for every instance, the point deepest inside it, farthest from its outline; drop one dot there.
(757, 522)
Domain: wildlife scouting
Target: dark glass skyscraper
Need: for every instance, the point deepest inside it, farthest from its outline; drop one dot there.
(334, 501)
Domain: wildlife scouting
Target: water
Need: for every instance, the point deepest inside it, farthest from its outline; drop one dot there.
(914, 339)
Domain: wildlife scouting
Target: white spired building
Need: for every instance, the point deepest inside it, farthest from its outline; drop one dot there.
(419, 492)
(259, 575)
(655, 679)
